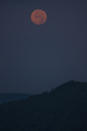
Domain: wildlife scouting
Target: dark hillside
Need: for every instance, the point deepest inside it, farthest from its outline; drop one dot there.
(62, 109)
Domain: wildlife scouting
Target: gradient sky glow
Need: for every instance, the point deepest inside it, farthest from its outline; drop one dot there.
(37, 58)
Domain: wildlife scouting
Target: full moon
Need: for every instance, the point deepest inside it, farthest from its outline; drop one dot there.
(38, 16)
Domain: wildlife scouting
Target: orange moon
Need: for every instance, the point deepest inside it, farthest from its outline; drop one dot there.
(38, 16)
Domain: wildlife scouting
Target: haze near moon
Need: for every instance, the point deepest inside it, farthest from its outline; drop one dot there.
(38, 16)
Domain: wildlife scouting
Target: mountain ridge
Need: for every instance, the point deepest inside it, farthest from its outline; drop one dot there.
(62, 109)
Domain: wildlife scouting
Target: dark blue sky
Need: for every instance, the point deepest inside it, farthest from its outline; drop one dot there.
(37, 58)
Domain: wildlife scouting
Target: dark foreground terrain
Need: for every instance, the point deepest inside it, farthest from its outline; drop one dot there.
(62, 109)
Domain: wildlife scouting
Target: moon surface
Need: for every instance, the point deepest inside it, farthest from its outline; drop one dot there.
(38, 16)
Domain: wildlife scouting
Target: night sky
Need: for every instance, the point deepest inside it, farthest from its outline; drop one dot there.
(35, 58)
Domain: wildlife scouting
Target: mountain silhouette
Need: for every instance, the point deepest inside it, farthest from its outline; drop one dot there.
(62, 109)
(6, 97)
